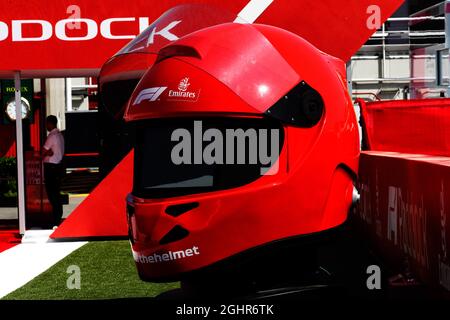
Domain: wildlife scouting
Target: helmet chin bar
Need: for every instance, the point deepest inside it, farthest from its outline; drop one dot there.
(288, 268)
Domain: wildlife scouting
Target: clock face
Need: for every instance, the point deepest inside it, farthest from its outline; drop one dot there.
(11, 109)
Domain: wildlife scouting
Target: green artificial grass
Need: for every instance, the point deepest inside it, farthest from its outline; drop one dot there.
(107, 272)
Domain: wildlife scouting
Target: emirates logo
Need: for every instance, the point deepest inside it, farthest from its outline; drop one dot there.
(184, 84)
(182, 94)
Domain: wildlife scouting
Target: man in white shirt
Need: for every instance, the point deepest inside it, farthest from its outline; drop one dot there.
(52, 153)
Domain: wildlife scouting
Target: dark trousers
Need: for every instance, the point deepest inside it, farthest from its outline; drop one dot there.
(52, 176)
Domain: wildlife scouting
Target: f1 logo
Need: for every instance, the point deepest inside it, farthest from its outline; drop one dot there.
(150, 94)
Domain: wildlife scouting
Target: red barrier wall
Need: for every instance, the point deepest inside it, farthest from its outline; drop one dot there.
(412, 126)
(405, 207)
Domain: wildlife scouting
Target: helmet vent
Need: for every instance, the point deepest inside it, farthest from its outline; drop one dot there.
(177, 233)
(179, 209)
(177, 51)
(303, 106)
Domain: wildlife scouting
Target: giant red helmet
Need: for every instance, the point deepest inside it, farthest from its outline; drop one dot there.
(291, 103)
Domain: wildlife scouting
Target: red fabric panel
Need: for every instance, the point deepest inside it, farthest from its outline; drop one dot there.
(8, 136)
(103, 212)
(412, 126)
(336, 27)
(8, 140)
(405, 210)
(8, 239)
(5, 246)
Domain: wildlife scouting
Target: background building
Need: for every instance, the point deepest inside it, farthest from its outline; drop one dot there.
(394, 64)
